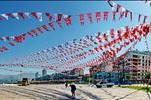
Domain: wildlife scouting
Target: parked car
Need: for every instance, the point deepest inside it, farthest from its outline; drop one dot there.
(104, 84)
(25, 82)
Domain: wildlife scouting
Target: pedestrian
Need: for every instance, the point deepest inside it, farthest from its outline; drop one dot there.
(66, 84)
(73, 89)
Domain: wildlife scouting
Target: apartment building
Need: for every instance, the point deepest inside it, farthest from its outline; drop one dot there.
(135, 65)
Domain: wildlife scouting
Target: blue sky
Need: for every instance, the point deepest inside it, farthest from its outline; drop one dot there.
(61, 35)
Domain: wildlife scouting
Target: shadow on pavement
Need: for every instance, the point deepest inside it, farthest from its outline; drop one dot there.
(127, 95)
(93, 97)
(63, 94)
(108, 93)
(148, 94)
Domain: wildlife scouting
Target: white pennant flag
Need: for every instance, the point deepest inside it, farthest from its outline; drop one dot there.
(65, 16)
(12, 37)
(44, 51)
(123, 9)
(16, 15)
(39, 16)
(5, 16)
(114, 6)
(56, 17)
(27, 14)
(4, 38)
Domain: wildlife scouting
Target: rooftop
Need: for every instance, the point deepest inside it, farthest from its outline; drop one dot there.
(141, 52)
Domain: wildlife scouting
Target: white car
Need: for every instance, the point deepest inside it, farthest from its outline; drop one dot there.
(104, 84)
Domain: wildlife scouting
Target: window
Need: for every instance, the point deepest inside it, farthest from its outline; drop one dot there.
(143, 64)
(135, 56)
(143, 57)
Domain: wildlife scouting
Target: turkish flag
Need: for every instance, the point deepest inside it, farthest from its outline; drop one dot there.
(11, 43)
(10, 15)
(59, 18)
(48, 15)
(81, 19)
(68, 20)
(98, 16)
(106, 15)
(34, 14)
(51, 25)
(89, 17)
(22, 15)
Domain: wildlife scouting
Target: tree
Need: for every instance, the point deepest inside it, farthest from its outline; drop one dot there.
(146, 76)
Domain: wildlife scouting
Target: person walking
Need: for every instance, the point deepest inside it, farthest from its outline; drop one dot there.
(66, 84)
(73, 89)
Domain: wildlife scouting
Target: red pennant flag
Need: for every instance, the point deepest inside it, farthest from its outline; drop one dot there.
(81, 19)
(118, 8)
(91, 39)
(126, 13)
(105, 37)
(30, 33)
(145, 29)
(131, 17)
(39, 29)
(131, 40)
(10, 15)
(89, 17)
(96, 49)
(121, 15)
(24, 35)
(106, 15)
(34, 32)
(59, 18)
(12, 44)
(126, 35)
(51, 25)
(45, 27)
(98, 16)
(4, 48)
(139, 17)
(105, 45)
(100, 47)
(112, 33)
(34, 14)
(127, 28)
(98, 37)
(145, 17)
(68, 20)
(48, 15)
(7, 38)
(22, 15)
(19, 39)
(113, 15)
(119, 35)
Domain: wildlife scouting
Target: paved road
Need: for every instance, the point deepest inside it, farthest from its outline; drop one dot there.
(59, 92)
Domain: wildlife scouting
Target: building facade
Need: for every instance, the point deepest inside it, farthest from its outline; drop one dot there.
(135, 65)
(133, 68)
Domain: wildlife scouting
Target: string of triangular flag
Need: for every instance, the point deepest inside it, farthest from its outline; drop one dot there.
(124, 12)
(143, 30)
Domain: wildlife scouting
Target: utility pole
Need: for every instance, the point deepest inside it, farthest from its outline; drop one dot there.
(123, 71)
